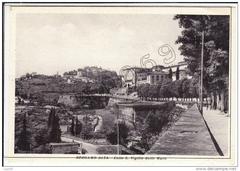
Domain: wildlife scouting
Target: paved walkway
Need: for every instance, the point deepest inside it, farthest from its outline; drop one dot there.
(188, 136)
(218, 123)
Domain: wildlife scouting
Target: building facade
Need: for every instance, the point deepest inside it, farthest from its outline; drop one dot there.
(136, 76)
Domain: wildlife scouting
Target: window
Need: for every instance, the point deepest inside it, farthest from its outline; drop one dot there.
(152, 79)
(157, 77)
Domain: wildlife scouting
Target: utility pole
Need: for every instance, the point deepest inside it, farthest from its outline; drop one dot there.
(201, 79)
(118, 150)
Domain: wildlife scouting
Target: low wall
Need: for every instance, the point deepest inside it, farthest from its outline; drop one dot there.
(64, 148)
(116, 100)
(68, 100)
(130, 111)
(75, 101)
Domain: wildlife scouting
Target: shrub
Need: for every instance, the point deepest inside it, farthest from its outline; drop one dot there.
(87, 132)
(123, 134)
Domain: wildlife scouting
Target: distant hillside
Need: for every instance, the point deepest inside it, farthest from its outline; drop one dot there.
(35, 86)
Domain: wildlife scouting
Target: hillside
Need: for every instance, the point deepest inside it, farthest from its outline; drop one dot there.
(46, 89)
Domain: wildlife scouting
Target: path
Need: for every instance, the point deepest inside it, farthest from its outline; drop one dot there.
(188, 136)
(218, 123)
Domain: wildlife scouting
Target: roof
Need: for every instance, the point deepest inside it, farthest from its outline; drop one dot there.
(172, 66)
(137, 68)
(180, 70)
(158, 73)
(158, 66)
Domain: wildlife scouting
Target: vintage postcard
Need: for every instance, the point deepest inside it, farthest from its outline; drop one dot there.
(120, 84)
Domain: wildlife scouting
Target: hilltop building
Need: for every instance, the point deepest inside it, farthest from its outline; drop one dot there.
(76, 76)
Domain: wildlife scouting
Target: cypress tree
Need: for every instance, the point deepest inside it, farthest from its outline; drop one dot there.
(72, 127)
(170, 73)
(50, 118)
(23, 141)
(78, 127)
(55, 131)
(177, 73)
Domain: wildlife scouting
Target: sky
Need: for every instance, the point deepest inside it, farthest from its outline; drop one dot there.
(51, 43)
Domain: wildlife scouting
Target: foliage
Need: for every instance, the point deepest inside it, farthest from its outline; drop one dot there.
(41, 88)
(153, 123)
(216, 47)
(54, 131)
(175, 89)
(87, 131)
(42, 138)
(24, 138)
(177, 73)
(78, 128)
(123, 134)
(146, 90)
(153, 91)
(170, 73)
(164, 90)
(185, 88)
(194, 87)
(72, 128)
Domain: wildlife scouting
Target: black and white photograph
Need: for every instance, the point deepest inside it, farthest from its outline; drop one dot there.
(104, 82)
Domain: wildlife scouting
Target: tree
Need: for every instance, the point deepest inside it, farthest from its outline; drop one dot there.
(140, 90)
(41, 138)
(54, 130)
(87, 131)
(123, 134)
(176, 88)
(50, 118)
(153, 123)
(194, 87)
(185, 88)
(216, 50)
(72, 128)
(78, 127)
(218, 76)
(165, 89)
(153, 91)
(158, 87)
(28, 75)
(145, 90)
(170, 73)
(177, 73)
(24, 141)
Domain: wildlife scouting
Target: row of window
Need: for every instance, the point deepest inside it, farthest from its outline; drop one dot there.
(158, 77)
(153, 77)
